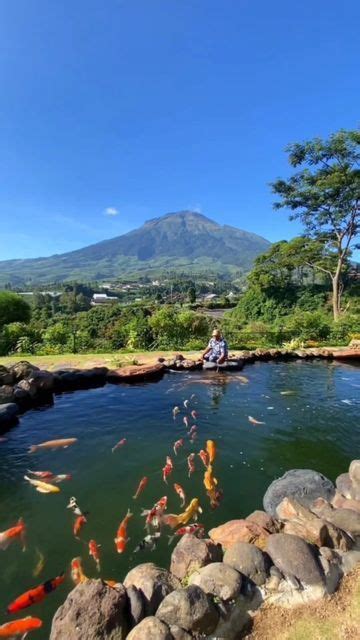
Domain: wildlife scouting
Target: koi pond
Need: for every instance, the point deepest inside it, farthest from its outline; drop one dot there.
(310, 415)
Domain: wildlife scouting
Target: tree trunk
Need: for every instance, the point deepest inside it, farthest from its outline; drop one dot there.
(336, 297)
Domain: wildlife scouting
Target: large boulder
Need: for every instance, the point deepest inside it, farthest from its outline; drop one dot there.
(6, 394)
(6, 376)
(295, 558)
(178, 633)
(344, 485)
(22, 369)
(346, 519)
(249, 560)
(136, 605)
(136, 373)
(354, 472)
(218, 579)
(189, 608)
(304, 485)
(8, 414)
(264, 520)
(153, 582)
(192, 553)
(150, 628)
(43, 380)
(93, 611)
(339, 502)
(239, 531)
(238, 616)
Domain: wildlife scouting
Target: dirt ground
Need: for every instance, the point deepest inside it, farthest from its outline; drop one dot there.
(335, 618)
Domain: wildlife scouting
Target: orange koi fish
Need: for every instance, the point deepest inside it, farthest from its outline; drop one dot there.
(53, 444)
(167, 469)
(154, 515)
(211, 450)
(41, 474)
(209, 481)
(20, 627)
(77, 574)
(94, 552)
(196, 529)
(8, 536)
(121, 536)
(181, 493)
(254, 421)
(33, 596)
(191, 463)
(204, 457)
(190, 512)
(177, 445)
(194, 414)
(78, 525)
(141, 487)
(215, 496)
(119, 444)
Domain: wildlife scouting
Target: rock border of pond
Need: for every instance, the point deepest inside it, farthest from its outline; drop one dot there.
(294, 552)
(24, 386)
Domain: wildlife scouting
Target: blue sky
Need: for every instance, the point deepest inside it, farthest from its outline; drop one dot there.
(114, 112)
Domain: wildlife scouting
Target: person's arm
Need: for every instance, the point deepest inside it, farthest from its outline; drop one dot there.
(223, 353)
(208, 348)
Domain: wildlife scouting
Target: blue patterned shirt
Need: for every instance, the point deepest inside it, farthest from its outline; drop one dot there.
(218, 348)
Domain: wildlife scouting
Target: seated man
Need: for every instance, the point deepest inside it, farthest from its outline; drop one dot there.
(216, 350)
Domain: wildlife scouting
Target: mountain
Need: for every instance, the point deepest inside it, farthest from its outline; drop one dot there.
(185, 241)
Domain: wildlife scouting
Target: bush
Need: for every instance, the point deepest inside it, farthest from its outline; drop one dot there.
(13, 308)
(343, 330)
(307, 325)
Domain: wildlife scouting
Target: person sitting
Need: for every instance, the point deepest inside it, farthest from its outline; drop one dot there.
(217, 350)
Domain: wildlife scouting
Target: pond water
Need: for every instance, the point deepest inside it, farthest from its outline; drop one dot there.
(316, 427)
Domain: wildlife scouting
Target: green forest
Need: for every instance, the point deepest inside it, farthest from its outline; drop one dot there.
(305, 291)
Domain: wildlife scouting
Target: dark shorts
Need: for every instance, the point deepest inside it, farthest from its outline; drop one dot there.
(212, 358)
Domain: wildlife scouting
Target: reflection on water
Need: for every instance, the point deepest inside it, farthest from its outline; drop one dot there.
(315, 426)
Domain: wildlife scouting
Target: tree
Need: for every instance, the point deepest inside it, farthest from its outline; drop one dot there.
(13, 308)
(325, 196)
(191, 294)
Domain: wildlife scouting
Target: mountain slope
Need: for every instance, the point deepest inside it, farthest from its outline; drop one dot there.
(186, 241)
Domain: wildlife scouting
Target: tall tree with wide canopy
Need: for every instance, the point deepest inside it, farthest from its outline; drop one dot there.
(325, 196)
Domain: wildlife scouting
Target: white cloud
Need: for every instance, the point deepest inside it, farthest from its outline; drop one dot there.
(111, 211)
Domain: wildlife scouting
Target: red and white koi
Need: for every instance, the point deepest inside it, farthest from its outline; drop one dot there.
(78, 525)
(181, 493)
(194, 414)
(177, 445)
(193, 529)
(192, 431)
(204, 457)
(119, 444)
(191, 463)
(167, 470)
(142, 484)
(186, 421)
(94, 552)
(43, 475)
(254, 421)
(154, 515)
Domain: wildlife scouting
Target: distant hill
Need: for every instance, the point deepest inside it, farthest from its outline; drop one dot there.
(185, 241)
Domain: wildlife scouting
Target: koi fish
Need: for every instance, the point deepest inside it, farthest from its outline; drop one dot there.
(193, 430)
(191, 463)
(167, 469)
(43, 475)
(53, 444)
(204, 457)
(289, 392)
(195, 529)
(215, 496)
(94, 552)
(242, 379)
(18, 628)
(121, 539)
(254, 421)
(186, 421)
(39, 565)
(209, 481)
(149, 542)
(177, 445)
(33, 596)
(211, 450)
(186, 404)
(181, 493)
(193, 395)
(77, 574)
(42, 487)
(190, 512)
(73, 505)
(194, 414)
(175, 411)
(78, 525)
(8, 536)
(153, 516)
(141, 487)
(61, 477)
(119, 444)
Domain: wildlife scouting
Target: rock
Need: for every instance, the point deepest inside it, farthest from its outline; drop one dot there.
(346, 519)
(6, 376)
(344, 485)
(189, 608)
(264, 520)
(218, 579)
(178, 633)
(43, 380)
(192, 553)
(6, 394)
(150, 628)
(8, 414)
(354, 472)
(304, 485)
(339, 502)
(332, 572)
(93, 611)
(136, 373)
(22, 369)
(136, 605)
(249, 560)
(239, 531)
(294, 557)
(28, 386)
(153, 582)
(238, 616)
(349, 561)
(302, 522)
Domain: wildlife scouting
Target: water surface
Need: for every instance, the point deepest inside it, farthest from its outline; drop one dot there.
(317, 427)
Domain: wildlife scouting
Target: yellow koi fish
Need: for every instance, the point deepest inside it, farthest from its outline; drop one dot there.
(39, 565)
(42, 487)
(77, 574)
(190, 513)
(211, 450)
(209, 481)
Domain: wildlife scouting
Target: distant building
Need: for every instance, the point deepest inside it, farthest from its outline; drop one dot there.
(102, 298)
(210, 296)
